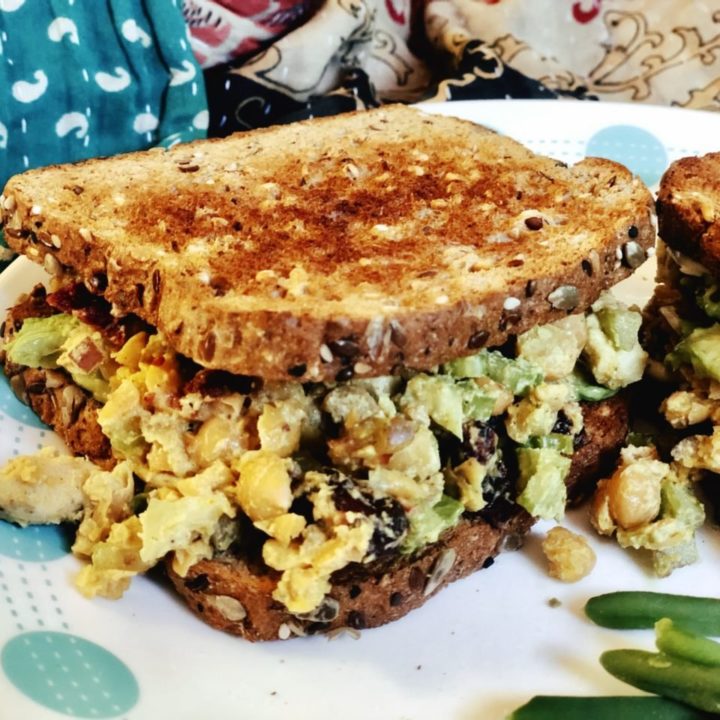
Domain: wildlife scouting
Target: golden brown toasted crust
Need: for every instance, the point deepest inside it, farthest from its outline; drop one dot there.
(340, 245)
(369, 600)
(227, 594)
(688, 208)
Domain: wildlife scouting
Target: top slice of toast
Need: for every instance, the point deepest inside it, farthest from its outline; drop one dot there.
(339, 246)
(688, 208)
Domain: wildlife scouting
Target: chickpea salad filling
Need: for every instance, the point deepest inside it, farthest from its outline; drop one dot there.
(651, 502)
(318, 476)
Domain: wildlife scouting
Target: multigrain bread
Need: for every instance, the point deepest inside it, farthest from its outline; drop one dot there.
(231, 593)
(688, 208)
(681, 333)
(348, 245)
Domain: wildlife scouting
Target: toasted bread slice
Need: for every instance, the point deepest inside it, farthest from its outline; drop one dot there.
(338, 246)
(688, 208)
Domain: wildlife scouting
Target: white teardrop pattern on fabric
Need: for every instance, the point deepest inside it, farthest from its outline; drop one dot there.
(202, 120)
(72, 121)
(26, 92)
(180, 77)
(133, 33)
(145, 122)
(62, 26)
(11, 5)
(114, 82)
(3, 137)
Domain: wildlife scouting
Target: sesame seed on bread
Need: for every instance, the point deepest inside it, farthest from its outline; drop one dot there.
(338, 246)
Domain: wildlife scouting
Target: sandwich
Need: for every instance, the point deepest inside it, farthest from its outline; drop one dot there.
(681, 328)
(321, 370)
(652, 501)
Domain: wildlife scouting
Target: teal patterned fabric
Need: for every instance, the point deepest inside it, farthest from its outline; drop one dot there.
(83, 78)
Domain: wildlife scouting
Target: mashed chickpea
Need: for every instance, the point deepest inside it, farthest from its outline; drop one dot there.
(43, 488)
(569, 556)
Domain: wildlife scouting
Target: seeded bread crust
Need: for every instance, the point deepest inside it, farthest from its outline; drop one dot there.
(688, 208)
(229, 595)
(339, 246)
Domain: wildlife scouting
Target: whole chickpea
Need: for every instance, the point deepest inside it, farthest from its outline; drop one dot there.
(634, 494)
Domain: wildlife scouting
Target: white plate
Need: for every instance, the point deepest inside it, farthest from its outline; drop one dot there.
(482, 647)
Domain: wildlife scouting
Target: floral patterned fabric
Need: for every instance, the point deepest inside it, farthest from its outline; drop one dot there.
(122, 74)
(351, 54)
(81, 79)
(348, 54)
(664, 52)
(78, 84)
(224, 30)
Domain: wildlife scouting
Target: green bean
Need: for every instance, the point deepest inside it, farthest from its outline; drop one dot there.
(547, 707)
(682, 644)
(627, 610)
(675, 678)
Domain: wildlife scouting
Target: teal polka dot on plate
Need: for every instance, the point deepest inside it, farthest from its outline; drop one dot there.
(632, 146)
(70, 675)
(38, 543)
(13, 408)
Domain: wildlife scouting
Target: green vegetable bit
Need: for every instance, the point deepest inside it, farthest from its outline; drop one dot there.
(554, 441)
(700, 350)
(547, 707)
(708, 300)
(620, 326)
(687, 645)
(39, 341)
(428, 523)
(517, 375)
(672, 677)
(639, 439)
(541, 481)
(631, 610)
(588, 390)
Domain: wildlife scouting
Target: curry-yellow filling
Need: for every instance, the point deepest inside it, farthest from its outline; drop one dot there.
(327, 475)
(650, 504)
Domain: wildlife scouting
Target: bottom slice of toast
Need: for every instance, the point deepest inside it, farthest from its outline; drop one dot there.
(234, 595)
